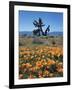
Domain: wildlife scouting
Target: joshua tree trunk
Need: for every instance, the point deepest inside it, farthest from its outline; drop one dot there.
(42, 31)
(39, 33)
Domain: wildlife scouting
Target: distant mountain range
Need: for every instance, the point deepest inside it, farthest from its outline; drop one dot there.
(29, 33)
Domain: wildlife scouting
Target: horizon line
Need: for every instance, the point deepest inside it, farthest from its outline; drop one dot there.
(48, 32)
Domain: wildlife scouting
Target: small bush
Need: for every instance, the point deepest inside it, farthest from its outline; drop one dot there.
(22, 43)
(37, 40)
(53, 42)
(44, 37)
(51, 36)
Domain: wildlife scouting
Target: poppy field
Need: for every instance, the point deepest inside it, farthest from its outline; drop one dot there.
(40, 62)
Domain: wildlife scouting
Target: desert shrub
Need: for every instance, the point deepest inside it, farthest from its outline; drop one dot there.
(53, 42)
(51, 36)
(37, 40)
(44, 37)
(22, 43)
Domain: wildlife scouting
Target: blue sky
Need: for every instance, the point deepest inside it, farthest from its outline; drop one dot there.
(54, 19)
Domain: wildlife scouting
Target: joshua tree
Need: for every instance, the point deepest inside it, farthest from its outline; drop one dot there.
(39, 24)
